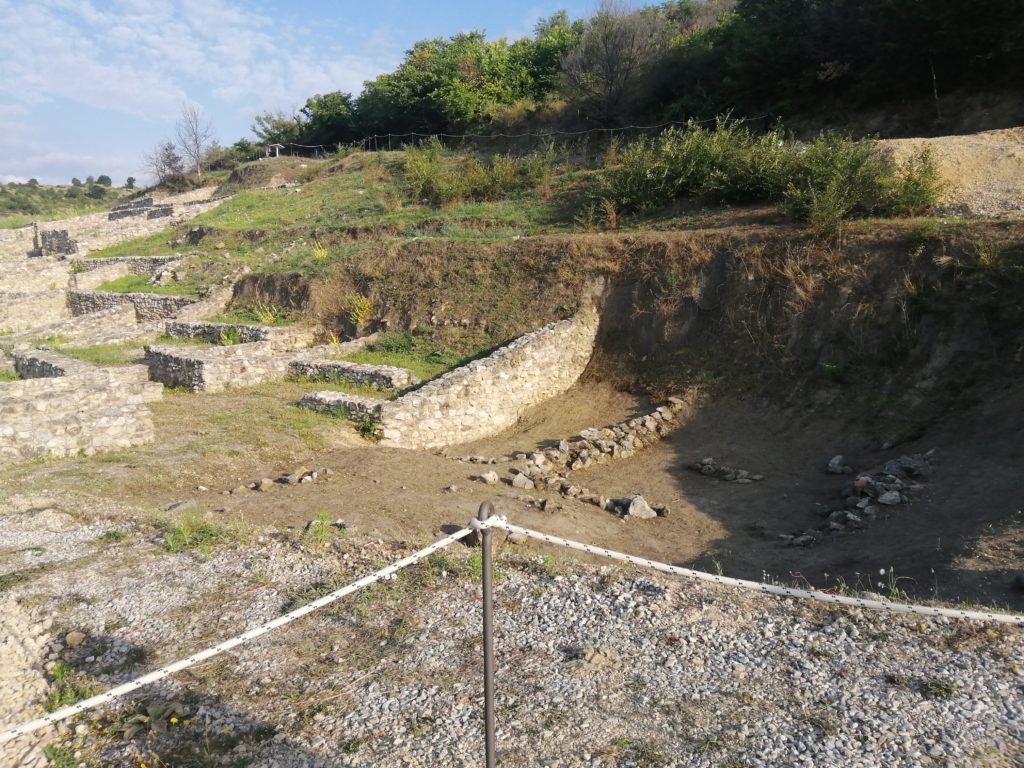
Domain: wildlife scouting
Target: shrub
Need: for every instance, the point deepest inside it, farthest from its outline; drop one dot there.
(393, 342)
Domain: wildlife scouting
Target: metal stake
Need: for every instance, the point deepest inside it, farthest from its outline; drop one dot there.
(485, 511)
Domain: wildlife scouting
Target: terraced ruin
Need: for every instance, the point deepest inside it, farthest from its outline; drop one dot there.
(732, 395)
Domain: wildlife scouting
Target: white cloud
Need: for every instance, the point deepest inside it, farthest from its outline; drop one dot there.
(6, 178)
(145, 58)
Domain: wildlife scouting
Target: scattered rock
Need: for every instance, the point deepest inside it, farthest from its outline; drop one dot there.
(451, 488)
(491, 478)
(263, 485)
(523, 481)
(74, 638)
(180, 506)
(709, 468)
(890, 498)
(837, 466)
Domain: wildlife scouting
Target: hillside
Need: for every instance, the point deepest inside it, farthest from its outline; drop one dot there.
(847, 414)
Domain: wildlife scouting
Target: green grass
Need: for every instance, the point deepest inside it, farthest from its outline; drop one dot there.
(66, 688)
(142, 284)
(105, 355)
(426, 365)
(192, 532)
(21, 204)
(347, 387)
(8, 376)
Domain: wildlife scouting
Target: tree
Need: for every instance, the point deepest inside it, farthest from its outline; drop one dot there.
(90, 180)
(129, 183)
(33, 182)
(105, 180)
(76, 182)
(276, 128)
(607, 72)
(328, 119)
(194, 133)
(164, 162)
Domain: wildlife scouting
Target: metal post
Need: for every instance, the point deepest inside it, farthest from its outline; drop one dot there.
(485, 511)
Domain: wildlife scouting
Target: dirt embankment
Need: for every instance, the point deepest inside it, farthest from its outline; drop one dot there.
(983, 173)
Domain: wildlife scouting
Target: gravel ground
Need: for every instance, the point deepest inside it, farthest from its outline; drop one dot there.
(598, 666)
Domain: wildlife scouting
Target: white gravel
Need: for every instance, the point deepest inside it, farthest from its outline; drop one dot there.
(597, 666)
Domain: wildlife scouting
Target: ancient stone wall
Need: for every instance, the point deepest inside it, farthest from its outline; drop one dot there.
(379, 376)
(489, 395)
(280, 337)
(148, 306)
(71, 407)
(28, 276)
(21, 311)
(212, 369)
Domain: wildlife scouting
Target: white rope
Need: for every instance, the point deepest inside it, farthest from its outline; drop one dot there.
(252, 634)
(770, 589)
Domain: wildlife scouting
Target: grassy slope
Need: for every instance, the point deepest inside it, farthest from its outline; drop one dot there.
(21, 204)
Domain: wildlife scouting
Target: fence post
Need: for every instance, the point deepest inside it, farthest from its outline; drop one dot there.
(485, 511)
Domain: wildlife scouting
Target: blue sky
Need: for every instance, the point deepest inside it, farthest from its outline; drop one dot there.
(88, 86)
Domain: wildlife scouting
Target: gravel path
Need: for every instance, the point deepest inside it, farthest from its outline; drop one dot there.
(598, 666)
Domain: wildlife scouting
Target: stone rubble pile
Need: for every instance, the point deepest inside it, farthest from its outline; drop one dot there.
(598, 445)
(709, 468)
(861, 500)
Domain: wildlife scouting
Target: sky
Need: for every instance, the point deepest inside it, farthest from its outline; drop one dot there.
(87, 87)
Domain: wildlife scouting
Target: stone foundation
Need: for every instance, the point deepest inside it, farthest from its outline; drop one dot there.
(282, 338)
(21, 311)
(64, 407)
(213, 369)
(482, 398)
(379, 376)
(148, 306)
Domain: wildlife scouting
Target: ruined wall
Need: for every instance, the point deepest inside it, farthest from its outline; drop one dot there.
(21, 311)
(148, 306)
(72, 407)
(279, 337)
(489, 395)
(212, 369)
(29, 276)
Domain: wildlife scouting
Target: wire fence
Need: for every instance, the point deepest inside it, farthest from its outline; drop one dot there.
(483, 525)
(390, 141)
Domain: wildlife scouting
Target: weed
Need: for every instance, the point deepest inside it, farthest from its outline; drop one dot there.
(266, 313)
(113, 537)
(318, 532)
(319, 251)
(229, 337)
(360, 310)
(154, 718)
(936, 688)
(351, 745)
(193, 532)
(8, 376)
(65, 688)
(60, 757)
(368, 426)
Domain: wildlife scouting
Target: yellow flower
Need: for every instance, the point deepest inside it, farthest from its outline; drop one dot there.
(174, 721)
(187, 722)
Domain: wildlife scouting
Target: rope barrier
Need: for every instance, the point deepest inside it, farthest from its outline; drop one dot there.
(769, 589)
(477, 526)
(159, 674)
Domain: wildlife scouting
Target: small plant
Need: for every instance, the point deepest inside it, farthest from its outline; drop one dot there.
(318, 532)
(368, 426)
(8, 376)
(266, 313)
(319, 251)
(937, 688)
(65, 688)
(113, 537)
(229, 337)
(60, 756)
(155, 718)
(192, 532)
(393, 342)
(351, 745)
(360, 309)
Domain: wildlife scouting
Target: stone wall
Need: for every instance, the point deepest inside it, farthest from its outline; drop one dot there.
(213, 369)
(92, 273)
(28, 276)
(71, 407)
(148, 306)
(281, 338)
(379, 376)
(21, 311)
(489, 395)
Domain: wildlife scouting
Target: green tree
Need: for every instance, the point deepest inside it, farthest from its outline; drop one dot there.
(129, 183)
(327, 119)
(276, 128)
(104, 180)
(76, 182)
(608, 73)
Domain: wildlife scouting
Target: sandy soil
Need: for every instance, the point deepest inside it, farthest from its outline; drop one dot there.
(962, 537)
(983, 172)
